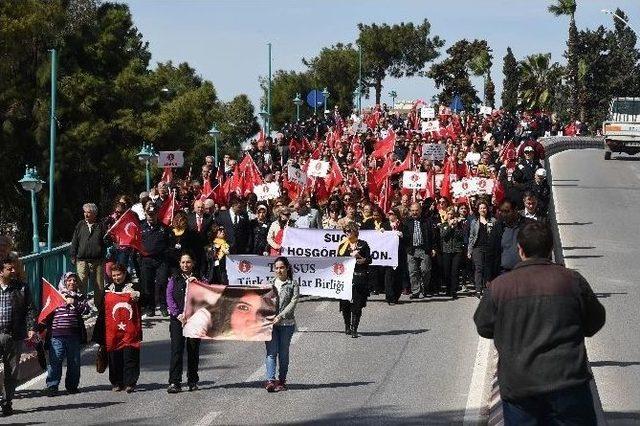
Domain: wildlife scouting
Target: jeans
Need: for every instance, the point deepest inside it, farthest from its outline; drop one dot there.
(419, 265)
(95, 270)
(64, 347)
(10, 351)
(278, 347)
(572, 406)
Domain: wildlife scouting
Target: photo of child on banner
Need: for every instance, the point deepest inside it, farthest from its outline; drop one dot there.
(221, 312)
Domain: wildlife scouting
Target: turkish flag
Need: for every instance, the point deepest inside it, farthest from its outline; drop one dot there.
(335, 176)
(405, 165)
(249, 174)
(122, 322)
(51, 300)
(294, 147)
(166, 210)
(167, 175)
(127, 231)
(384, 146)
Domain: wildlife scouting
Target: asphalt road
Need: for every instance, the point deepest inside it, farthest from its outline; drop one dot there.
(413, 364)
(598, 214)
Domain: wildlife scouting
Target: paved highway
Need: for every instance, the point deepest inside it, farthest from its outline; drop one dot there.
(598, 215)
(413, 364)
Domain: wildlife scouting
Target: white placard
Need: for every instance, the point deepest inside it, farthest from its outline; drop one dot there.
(296, 175)
(427, 112)
(318, 168)
(472, 186)
(324, 243)
(486, 110)
(317, 276)
(414, 180)
(267, 191)
(472, 157)
(170, 158)
(430, 126)
(434, 151)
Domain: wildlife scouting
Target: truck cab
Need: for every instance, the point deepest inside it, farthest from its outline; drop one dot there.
(622, 129)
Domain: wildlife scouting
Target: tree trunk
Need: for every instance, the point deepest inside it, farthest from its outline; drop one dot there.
(378, 87)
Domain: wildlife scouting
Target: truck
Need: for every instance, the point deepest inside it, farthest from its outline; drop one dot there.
(621, 131)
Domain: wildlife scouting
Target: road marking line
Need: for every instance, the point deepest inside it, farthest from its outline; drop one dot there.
(299, 333)
(323, 306)
(472, 414)
(209, 418)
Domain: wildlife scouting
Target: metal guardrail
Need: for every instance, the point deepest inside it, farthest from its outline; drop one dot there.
(556, 144)
(49, 265)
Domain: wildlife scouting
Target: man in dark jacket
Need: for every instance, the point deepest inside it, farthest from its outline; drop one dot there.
(17, 315)
(88, 252)
(154, 269)
(418, 241)
(503, 246)
(236, 227)
(538, 316)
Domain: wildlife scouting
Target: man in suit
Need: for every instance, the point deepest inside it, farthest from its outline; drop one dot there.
(200, 223)
(417, 238)
(236, 227)
(531, 210)
(306, 217)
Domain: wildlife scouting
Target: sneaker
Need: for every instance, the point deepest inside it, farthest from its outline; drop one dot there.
(52, 391)
(270, 386)
(173, 388)
(415, 296)
(7, 409)
(281, 386)
(193, 387)
(150, 313)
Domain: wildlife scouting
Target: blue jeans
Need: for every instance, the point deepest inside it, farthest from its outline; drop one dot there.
(61, 347)
(571, 406)
(279, 347)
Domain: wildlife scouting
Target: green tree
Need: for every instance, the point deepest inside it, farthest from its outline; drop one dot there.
(236, 121)
(336, 68)
(539, 81)
(624, 59)
(452, 74)
(568, 8)
(399, 50)
(511, 82)
(284, 87)
(480, 66)
(490, 92)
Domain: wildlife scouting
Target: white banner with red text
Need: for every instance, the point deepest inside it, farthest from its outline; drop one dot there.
(325, 242)
(318, 276)
(472, 186)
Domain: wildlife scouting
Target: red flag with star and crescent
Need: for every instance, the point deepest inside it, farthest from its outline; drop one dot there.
(51, 300)
(127, 231)
(122, 322)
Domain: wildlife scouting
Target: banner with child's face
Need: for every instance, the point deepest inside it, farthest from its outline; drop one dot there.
(228, 312)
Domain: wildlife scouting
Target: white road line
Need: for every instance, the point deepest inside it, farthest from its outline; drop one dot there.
(472, 415)
(323, 306)
(260, 372)
(208, 418)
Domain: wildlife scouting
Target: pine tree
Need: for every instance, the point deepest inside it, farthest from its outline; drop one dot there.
(511, 82)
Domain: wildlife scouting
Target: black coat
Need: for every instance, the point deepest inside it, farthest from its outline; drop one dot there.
(237, 235)
(258, 239)
(87, 245)
(428, 238)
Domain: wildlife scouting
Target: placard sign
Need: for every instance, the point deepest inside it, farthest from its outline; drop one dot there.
(170, 158)
(427, 112)
(434, 151)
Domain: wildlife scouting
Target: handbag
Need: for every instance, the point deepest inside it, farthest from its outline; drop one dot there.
(101, 360)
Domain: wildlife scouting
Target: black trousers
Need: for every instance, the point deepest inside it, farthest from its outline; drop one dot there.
(451, 270)
(153, 279)
(178, 343)
(481, 267)
(124, 367)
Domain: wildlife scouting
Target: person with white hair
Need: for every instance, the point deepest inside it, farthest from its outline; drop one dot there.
(540, 188)
(88, 251)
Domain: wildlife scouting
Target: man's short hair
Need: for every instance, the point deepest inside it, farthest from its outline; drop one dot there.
(91, 207)
(529, 194)
(536, 240)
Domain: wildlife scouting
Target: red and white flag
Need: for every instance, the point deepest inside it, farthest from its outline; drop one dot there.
(123, 325)
(167, 209)
(127, 231)
(51, 300)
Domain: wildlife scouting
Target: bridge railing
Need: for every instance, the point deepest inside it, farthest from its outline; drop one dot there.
(556, 144)
(49, 265)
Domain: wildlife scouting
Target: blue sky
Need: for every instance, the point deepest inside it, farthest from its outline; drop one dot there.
(225, 40)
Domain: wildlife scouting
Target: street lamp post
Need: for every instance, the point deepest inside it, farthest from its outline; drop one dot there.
(268, 123)
(393, 96)
(265, 119)
(359, 80)
(32, 183)
(325, 94)
(621, 19)
(298, 102)
(147, 155)
(52, 146)
(215, 133)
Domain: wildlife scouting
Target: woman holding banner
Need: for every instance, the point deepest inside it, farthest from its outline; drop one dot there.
(284, 325)
(359, 249)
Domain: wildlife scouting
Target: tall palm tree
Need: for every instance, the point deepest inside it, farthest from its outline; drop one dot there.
(568, 8)
(480, 66)
(539, 79)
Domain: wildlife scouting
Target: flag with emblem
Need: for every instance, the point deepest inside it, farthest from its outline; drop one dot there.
(122, 322)
(51, 300)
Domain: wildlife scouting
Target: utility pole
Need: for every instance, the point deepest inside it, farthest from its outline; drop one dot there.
(52, 146)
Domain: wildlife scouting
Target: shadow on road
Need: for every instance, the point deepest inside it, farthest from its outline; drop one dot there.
(373, 333)
(604, 295)
(578, 248)
(622, 417)
(574, 223)
(65, 407)
(385, 415)
(583, 256)
(293, 386)
(614, 363)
